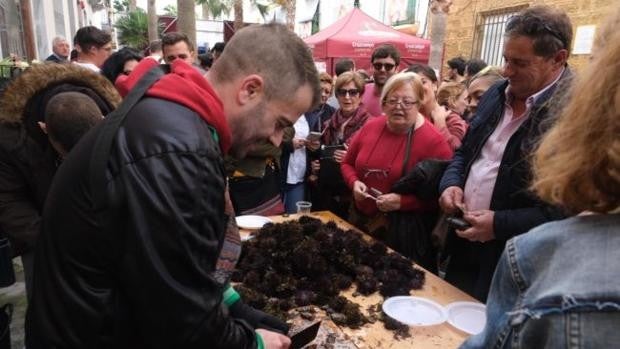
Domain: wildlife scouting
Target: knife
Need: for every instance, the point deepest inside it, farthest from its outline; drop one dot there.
(305, 336)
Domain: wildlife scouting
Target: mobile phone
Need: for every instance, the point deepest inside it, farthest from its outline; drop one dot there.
(458, 223)
(327, 151)
(314, 136)
(374, 192)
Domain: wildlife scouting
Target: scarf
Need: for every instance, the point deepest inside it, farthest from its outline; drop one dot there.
(353, 124)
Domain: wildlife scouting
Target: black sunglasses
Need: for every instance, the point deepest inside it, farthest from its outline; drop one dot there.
(387, 66)
(341, 92)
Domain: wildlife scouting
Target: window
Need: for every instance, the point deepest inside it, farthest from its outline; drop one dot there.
(59, 18)
(4, 37)
(489, 34)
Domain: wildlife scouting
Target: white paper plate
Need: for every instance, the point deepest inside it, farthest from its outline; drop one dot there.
(414, 311)
(252, 222)
(468, 317)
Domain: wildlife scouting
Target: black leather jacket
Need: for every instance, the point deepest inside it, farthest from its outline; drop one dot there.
(143, 278)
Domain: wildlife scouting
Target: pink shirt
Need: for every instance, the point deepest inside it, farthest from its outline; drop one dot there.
(483, 174)
(371, 100)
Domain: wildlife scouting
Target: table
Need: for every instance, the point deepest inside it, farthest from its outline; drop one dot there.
(374, 335)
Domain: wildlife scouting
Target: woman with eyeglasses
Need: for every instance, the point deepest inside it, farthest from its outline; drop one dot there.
(451, 126)
(385, 149)
(337, 133)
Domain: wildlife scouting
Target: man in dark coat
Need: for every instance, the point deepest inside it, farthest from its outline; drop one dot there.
(150, 267)
(60, 51)
(489, 176)
(27, 160)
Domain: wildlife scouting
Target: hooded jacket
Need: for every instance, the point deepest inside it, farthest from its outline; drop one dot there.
(146, 276)
(27, 160)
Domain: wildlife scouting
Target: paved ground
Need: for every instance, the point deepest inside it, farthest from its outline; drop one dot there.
(16, 294)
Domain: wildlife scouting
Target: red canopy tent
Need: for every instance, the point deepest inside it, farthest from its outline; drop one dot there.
(357, 34)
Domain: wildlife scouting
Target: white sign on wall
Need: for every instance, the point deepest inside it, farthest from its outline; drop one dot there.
(584, 37)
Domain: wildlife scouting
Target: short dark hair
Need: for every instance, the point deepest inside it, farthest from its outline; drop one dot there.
(68, 116)
(172, 38)
(424, 70)
(344, 65)
(113, 66)
(206, 60)
(87, 37)
(457, 63)
(475, 65)
(218, 47)
(285, 67)
(550, 29)
(385, 51)
(154, 46)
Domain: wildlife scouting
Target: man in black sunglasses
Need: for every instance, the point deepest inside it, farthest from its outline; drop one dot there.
(385, 60)
(488, 178)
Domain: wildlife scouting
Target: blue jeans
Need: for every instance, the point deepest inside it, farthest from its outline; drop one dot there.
(292, 194)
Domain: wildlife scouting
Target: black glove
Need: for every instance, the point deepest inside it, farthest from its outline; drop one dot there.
(257, 318)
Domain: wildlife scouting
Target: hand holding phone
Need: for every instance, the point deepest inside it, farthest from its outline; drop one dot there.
(458, 223)
(314, 136)
(373, 193)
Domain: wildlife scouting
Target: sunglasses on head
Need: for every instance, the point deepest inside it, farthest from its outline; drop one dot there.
(387, 66)
(534, 26)
(341, 92)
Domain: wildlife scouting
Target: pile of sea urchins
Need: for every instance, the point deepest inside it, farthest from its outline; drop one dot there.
(305, 262)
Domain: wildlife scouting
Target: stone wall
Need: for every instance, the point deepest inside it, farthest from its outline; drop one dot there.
(462, 17)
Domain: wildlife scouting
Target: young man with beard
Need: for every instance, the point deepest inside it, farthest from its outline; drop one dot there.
(154, 273)
(385, 60)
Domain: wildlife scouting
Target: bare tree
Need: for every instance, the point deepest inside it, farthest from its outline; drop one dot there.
(151, 10)
(439, 17)
(186, 20)
(290, 6)
(238, 8)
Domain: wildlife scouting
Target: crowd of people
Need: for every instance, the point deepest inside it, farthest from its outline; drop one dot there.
(121, 174)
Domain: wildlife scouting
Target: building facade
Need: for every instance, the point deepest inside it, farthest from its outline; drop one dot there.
(475, 27)
(48, 18)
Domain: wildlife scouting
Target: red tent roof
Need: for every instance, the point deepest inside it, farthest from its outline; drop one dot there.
(357, 34)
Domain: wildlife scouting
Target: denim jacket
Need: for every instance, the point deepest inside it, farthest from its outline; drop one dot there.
(557, 286)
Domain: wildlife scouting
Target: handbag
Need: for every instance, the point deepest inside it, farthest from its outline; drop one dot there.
(6, 315)
(7, 274)
(330, 176)
(409, 233)
(423, 180)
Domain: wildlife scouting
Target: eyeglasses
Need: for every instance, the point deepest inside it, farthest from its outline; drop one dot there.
(404, 103)
(387, 66)
(341, 92)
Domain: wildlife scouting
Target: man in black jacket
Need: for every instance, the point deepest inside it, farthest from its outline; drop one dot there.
(489, 176)
(150, 269)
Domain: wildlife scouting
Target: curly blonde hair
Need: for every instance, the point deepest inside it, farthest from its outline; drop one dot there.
(577, 164)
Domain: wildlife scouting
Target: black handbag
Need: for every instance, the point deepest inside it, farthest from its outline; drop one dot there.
(330, 176)
(7, 274)
(423, 180)
(6, 314)
(409, 233)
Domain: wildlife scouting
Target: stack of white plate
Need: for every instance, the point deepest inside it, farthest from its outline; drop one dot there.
(469, 317)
